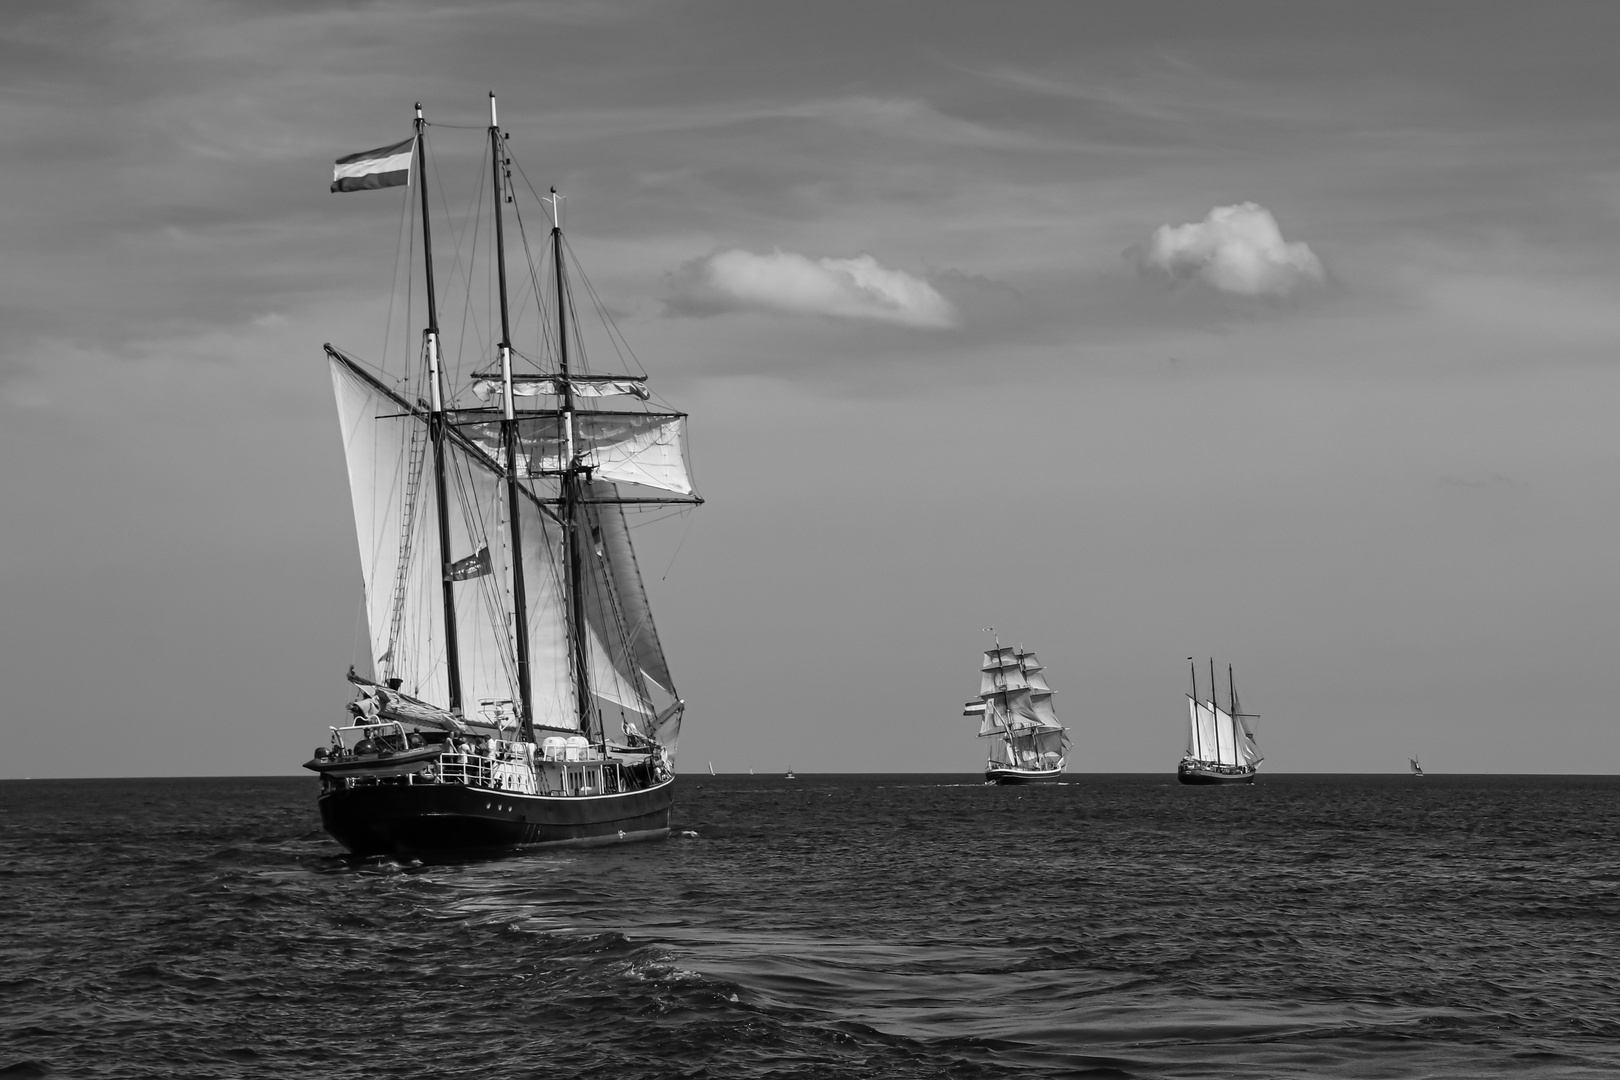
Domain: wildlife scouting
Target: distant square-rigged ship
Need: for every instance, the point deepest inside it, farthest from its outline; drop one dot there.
(1015, 711)
(520, 695)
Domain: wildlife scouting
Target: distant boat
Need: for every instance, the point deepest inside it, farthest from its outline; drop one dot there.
(1221, 747)
(790, 775)
(711, 768)
(1014, 708)
(1417, 767)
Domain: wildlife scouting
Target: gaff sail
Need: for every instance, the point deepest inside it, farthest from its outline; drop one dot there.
(1217, 736)
(385, 443)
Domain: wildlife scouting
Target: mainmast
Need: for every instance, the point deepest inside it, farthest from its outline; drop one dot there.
(436, 430)
(571, 493)
(509, 441)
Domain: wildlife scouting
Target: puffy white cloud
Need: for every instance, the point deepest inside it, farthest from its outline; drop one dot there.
(783, 281)
(1237, 249)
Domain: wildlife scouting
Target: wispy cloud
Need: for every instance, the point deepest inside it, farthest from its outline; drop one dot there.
(789, 283)
(1236, 249)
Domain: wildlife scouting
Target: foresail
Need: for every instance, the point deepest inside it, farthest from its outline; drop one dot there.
(387, 447)
(1207, 733)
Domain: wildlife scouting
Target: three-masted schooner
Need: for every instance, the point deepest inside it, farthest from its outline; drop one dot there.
(1221, 747)
(1014, 707)
(519, 694)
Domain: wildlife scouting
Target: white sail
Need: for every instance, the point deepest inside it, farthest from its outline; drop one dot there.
(386, 478)
(647, 652)
(551, 678)
(389, 458)
(1001, 671)
(643, 448)
(1248, 745)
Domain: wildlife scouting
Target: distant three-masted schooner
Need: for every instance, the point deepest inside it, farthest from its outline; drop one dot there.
(519, 694)
(1221, 747)
(1014, 707)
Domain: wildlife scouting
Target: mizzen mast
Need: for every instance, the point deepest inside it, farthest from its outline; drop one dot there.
(572, 495)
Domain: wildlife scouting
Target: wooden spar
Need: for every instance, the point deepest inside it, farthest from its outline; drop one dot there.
(436, 430)
(509, 441)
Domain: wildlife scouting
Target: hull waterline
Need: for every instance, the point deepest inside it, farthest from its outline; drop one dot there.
(448, 821)
(1003, 775)
(1200, 776)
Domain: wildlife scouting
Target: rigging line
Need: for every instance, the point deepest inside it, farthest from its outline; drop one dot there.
(401, 232)
(457, 266)
(528, 264)
(678, 547)
(534, 276)
(476, 215)
(615, 335)
(359, 620)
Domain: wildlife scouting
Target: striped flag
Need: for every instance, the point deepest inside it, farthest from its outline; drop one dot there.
(387, 166)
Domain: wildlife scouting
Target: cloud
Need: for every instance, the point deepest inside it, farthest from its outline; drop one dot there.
(786, 282)
(1237, 249)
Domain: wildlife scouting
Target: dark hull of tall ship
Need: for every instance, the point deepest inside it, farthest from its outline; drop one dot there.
(437, 822)
(1189, 773)
(1007, 774)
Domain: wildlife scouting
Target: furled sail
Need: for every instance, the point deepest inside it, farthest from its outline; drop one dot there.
(488, 384)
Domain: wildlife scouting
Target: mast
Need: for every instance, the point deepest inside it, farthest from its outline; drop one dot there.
(1198, 736)
(509, 441)
(571, 494)
(436, 430)
(1214, 713)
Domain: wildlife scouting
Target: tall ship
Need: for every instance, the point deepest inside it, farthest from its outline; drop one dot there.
(1221, 746)
(1014, 707)
(517, 693)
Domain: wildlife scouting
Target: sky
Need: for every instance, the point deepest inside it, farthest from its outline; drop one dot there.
(1276, 333)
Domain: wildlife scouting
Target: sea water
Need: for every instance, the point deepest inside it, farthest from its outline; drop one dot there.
(829, 926)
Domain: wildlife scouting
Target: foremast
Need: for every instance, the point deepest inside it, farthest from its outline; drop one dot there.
(437, 425)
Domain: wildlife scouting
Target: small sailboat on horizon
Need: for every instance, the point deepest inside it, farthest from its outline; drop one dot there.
(1417, 767)
(1015, 709)
(1221, 746)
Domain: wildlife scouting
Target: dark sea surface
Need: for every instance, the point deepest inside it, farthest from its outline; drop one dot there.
(830, 926)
